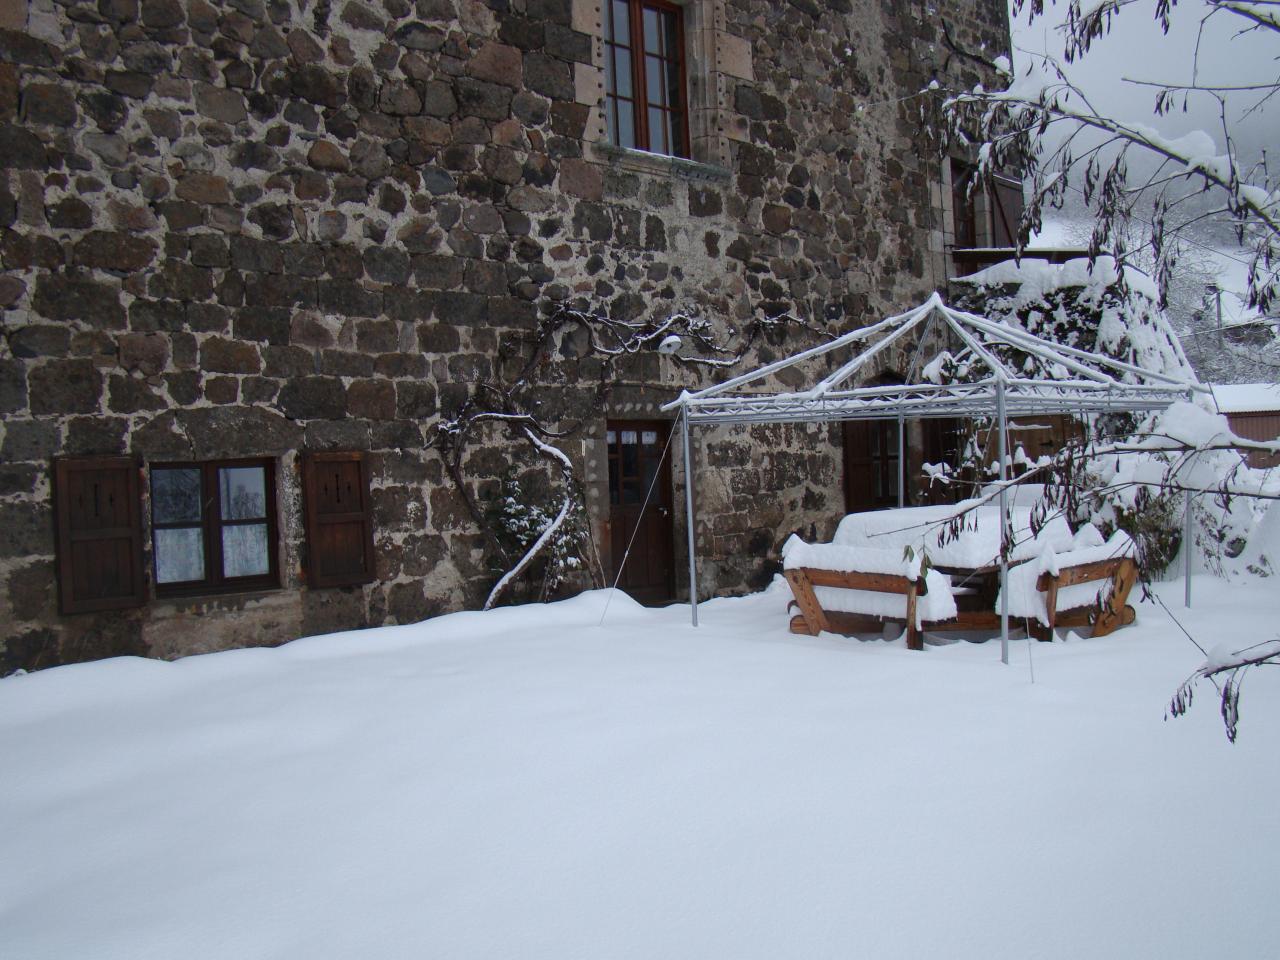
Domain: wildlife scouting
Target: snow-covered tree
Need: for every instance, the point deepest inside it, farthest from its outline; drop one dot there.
(1046, 128)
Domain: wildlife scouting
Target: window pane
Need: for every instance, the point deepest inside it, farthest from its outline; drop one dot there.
(626, 124)
(652, 42)
(175, 495)
(179, 555)
(656, 129)
(670, 48)
(650, 471)
(243, 492)
(653, 86)
(244, 550)
(649, 437)
(672, 75)
(621, 23)
(629, 437)
(622, 72)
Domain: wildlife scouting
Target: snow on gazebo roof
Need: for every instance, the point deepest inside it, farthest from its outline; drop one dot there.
(1036, 376)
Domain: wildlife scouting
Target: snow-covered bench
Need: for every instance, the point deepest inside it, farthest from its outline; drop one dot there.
(1086, 586)
(844, 589)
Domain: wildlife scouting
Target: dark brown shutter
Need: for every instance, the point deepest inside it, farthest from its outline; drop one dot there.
(98, 512)
(1006, 212)
(339, 519)
(964, 220)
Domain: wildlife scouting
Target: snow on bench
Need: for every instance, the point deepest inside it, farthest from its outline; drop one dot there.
(974, 545)
(1086, 585)
(847, 589)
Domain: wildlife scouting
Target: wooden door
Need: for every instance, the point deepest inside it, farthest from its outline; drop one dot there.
(870, 465)
(636, 463)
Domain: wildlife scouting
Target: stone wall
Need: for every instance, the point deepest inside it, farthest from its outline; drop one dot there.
(261, 227)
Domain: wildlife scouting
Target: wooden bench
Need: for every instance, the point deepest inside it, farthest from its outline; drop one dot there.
(813, 619)
(1103, 618)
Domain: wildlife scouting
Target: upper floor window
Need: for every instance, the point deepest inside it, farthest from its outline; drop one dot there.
(646, 105)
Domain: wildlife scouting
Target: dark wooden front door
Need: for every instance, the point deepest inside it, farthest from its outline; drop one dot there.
(636, 462)
(870, 465)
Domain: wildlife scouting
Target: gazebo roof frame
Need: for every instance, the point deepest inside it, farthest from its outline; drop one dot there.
(1083, 382)
(1092, 381)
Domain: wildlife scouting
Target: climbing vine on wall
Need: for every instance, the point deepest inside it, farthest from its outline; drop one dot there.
(523, 404)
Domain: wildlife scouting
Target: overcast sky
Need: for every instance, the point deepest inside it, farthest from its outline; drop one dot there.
(1136, 49)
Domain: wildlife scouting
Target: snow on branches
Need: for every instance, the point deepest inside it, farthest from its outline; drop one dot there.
(1230, 662)
(1044, 128)
(1124, 472)
(1096, 306)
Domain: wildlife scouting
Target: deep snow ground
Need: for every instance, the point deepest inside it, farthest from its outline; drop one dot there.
(528, 784)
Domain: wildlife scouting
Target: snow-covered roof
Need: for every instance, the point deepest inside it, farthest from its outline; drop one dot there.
(1247, 397)
(1035, 376)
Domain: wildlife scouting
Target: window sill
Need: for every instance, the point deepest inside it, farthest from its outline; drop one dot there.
(641, 161)
(201, 594)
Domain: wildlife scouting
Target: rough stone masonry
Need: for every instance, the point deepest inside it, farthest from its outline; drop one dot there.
(260, 227)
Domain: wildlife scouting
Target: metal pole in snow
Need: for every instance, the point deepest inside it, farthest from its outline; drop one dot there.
(1187, 547)
(1004, 560)
(688, 506)
(901, 468)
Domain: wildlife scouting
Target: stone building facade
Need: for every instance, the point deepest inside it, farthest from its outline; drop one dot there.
(260, 229)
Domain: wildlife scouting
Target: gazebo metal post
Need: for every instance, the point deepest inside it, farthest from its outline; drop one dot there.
(902, 483)
(688, 506)
(1004, 514)
(1188, 516)
(1186, 549)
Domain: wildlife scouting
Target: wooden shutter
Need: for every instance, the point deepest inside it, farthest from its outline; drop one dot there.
(964, 219)
(98, 514)
(339, 519)
(1006, 212)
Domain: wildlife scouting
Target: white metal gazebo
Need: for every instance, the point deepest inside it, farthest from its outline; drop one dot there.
(1004, 370)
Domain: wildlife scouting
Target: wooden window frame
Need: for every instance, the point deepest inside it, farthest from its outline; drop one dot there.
(69, 602)
(315, 520)
(212, 525)
(639, 84)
